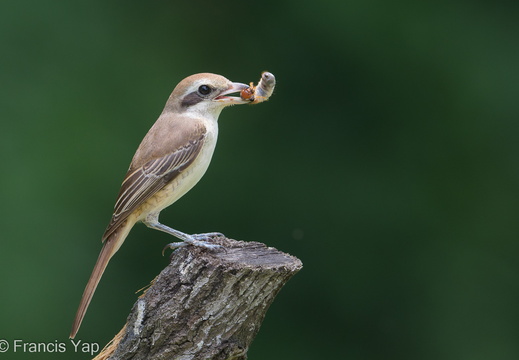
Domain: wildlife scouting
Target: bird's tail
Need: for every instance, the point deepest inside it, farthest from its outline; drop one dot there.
(110, 247)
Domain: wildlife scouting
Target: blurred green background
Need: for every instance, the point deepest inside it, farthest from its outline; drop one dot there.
(387, 161)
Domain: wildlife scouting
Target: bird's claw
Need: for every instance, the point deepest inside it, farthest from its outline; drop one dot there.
(174, 245)
(200, 240)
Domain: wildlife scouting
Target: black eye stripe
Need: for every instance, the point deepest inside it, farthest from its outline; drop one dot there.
(197, 96)
(191, 99)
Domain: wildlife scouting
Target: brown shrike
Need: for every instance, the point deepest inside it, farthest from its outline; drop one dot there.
(170, 160)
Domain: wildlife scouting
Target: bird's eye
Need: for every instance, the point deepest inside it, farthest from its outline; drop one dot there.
(204, 89)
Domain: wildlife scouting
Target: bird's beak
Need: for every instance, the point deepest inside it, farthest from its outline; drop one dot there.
(231, 100)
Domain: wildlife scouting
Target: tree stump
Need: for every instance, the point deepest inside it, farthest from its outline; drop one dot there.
(206, 304)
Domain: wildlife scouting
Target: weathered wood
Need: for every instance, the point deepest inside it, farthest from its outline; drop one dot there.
(206, 304)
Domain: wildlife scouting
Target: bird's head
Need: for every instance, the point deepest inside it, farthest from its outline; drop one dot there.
(204, 93)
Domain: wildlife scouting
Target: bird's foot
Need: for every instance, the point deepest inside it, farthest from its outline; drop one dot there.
(204, 240)
(207, 236)
(200, 240)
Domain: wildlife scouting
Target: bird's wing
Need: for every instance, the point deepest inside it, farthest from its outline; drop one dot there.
(143, 182)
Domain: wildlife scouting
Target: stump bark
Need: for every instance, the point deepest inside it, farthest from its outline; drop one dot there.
(206, 304)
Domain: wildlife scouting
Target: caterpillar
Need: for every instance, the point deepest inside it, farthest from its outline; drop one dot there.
(261, 92)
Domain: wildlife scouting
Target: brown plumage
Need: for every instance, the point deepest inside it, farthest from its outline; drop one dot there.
(170, 160)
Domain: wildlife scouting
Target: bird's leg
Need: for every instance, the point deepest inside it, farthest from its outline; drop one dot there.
(200, 240)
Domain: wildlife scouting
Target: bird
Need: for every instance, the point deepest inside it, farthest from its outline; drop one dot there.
(170, 160)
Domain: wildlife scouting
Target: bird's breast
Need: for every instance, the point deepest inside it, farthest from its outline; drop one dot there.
(182, 183)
